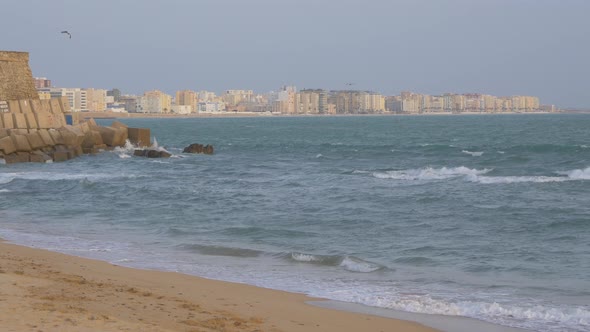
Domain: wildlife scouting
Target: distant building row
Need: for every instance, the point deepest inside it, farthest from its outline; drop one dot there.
(286, 101)
(409, 102)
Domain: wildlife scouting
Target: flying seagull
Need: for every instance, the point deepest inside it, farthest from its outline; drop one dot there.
(66, 32)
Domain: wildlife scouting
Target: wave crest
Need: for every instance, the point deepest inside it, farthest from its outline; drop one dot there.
(578, 174)
(473, 153)
(573, 175)
(429, 173)
(348, 263)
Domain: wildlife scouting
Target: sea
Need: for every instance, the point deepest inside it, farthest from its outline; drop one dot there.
(478, 216)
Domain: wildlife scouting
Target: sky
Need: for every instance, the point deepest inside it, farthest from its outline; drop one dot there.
(498, 47)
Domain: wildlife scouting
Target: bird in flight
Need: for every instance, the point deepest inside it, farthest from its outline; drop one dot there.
(68, 33)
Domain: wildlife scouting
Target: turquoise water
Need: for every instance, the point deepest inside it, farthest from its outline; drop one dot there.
(479, 216)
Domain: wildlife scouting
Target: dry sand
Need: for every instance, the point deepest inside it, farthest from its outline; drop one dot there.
(46, 291)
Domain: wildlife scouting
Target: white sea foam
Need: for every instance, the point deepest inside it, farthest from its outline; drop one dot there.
(54, 176)
(522, 315)
(474, 154)
(516, 179)
(49, 176)
(429, 173)
(125, 151)
(353, 264)
(578, 174)
(5, 190)
(300, 257)
(475, 175)
(573, 175)
(319, 155)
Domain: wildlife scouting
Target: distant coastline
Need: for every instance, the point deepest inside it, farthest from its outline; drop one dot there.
(115, 115)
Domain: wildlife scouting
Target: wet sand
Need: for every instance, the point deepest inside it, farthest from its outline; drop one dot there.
(47, 291)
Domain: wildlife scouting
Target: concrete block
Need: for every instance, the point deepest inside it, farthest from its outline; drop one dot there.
(35, 141)
(40, 157)
(46, 137)
(69, 138)
(17, 157)
(59, 120)
(35, 105)
(97, 138)
(3, 132)
(20, 122)
(10, 158)
(91, 150)
(112, 136)
(1, 123)
(44, 120)
(61, 148)
(25, 106)
(71, 154)
(83, 126)
(56, 136)
(75, 152)
(31, 120)
(7, 120)
(76, 136)
(7, 145)
(59, 156)
(21, 143)
(140, 137)
(64, 104)
(91, 139)
(46, 105)
(121, 133)
(124, 135)
(17, 131)
(13, 106)
(92, 124)
(54, 106)
(117, 124)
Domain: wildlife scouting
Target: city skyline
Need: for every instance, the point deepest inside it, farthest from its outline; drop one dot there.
(497, 47)
(288, 100)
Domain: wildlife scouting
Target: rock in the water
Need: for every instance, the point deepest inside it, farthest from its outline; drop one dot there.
(198, 148)
(149, 153)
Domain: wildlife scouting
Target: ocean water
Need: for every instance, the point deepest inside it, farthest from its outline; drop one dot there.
(479, 216)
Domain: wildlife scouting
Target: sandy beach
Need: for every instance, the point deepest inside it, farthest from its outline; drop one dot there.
(47, 291)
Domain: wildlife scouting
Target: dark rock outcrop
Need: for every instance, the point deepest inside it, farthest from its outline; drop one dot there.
(198, 148)
(149, 153)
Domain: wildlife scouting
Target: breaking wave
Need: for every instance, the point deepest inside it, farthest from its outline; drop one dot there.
(50, 176)
(478, 176)
(348, 263)
(573, 175)
(430, 173)
(474, 154)
(578, 174)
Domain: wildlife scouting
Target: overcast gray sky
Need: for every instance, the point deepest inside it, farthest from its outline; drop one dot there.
(500, 47)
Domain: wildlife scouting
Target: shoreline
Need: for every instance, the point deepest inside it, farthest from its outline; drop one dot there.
(57, 292)
(112, 115)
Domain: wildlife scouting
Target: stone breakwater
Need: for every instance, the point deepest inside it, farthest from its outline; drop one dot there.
(33, 130)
